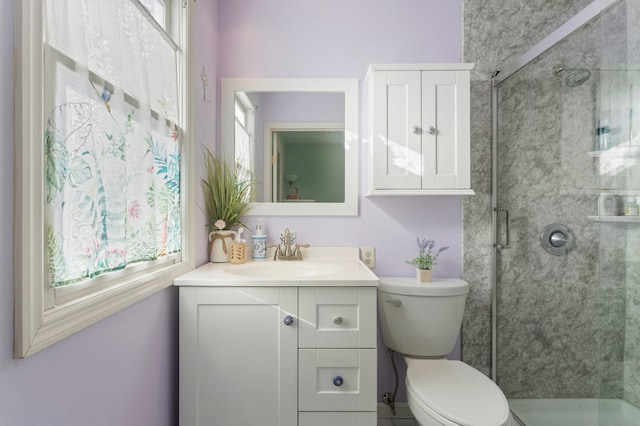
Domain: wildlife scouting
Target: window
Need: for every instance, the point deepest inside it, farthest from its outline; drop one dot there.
(244, 140)
(102, 138)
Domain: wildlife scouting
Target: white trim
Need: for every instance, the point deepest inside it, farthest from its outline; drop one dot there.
(67, 293)
(577, 21)
(39, 321)
(414, 192)
(419, 67)
(349, 87)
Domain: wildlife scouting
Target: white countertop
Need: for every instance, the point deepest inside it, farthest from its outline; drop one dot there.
(321, 267)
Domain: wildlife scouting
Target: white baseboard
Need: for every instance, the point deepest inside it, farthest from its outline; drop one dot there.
(402, 411)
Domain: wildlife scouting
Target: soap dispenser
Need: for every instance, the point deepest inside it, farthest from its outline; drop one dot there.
(259, 246)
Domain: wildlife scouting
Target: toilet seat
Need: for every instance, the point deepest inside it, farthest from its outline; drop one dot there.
(454, 393)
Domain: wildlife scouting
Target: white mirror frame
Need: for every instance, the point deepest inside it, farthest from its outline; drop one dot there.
(347, 86)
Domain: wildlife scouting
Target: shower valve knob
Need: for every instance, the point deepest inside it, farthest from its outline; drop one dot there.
(558, 239)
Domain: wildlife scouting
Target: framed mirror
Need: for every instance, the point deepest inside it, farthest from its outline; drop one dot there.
(298, 139)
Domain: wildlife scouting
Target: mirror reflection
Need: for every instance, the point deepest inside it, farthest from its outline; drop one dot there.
(297, 138)
(293, 144)
(307, 166)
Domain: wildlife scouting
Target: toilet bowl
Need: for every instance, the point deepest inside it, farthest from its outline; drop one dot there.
(452, 393)
(422, 322)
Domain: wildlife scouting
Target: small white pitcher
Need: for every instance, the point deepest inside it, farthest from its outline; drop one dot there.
(220, 242)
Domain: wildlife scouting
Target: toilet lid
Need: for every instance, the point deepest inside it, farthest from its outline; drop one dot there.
(411, 287)
(457, 392)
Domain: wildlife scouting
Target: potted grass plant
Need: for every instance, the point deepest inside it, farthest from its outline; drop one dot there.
(226, 200)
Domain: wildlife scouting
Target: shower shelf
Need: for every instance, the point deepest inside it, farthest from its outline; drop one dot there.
(615, 219)
(620, 151)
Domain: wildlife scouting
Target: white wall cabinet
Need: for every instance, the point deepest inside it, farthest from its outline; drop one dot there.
(278, 356)
(419, 129)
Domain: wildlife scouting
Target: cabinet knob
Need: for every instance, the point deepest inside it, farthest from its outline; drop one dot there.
(287, 320)
(416, 129)
(337, 320)
(338, 381)
(431, 130)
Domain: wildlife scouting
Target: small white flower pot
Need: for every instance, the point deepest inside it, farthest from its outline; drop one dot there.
(424, 275)
(220, 242)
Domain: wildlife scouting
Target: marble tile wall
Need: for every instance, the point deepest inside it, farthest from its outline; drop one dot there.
(564, 331)
(495, 32)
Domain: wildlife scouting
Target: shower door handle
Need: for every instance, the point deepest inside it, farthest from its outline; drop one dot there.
(507, 233)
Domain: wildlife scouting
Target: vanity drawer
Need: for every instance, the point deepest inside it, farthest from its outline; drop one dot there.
(337, 317)
(324, 418)
(337, 379)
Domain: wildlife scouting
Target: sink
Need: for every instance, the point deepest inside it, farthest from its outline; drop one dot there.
(283, 269)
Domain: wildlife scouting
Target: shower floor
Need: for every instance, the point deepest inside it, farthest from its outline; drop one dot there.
(575, 412)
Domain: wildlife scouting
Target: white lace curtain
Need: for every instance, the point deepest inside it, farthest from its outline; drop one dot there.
(111, 138)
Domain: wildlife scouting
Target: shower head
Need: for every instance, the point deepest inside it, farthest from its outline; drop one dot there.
(575, 76)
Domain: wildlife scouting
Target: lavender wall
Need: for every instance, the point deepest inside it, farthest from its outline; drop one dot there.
(123, 369)
(120, 371)
(335, 38)
(340, 39)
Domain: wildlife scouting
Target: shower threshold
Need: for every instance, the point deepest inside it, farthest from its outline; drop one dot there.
(575, 412)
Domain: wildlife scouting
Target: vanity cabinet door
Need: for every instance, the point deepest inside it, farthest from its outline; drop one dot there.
(337, 317)
(238, 356)
(419, 129)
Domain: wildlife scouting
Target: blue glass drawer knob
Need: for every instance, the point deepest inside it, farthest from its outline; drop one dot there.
(287, 320)
(338, 381)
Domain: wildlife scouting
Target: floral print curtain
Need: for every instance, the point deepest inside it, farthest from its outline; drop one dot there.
(112, 139)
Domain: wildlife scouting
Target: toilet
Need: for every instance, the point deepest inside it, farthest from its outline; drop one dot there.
(422, 321)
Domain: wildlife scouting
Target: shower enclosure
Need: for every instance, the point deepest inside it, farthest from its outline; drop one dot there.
(567, 259)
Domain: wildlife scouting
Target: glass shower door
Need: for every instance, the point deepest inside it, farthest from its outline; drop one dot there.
(567, 183)
(548, 300)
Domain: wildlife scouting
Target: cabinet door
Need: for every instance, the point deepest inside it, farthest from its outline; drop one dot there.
(445, 149)
(238, 359)
(397, 159)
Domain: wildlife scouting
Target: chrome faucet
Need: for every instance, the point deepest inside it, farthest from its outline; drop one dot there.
(288, 249)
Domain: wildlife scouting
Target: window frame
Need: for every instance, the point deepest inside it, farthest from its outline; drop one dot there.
(40, 318)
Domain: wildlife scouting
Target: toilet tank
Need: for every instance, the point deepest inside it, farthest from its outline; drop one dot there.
(421, 319)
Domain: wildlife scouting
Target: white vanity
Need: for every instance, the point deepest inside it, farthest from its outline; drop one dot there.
(279, 343)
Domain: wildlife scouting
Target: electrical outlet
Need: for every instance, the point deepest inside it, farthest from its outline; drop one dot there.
(368, 256)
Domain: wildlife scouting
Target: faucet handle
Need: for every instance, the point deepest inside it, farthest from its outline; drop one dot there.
(298, 252)
(275, 252)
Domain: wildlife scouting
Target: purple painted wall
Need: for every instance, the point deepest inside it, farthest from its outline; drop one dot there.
(340, 39)
(122, 370)
(335, 38)
(119, 371)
